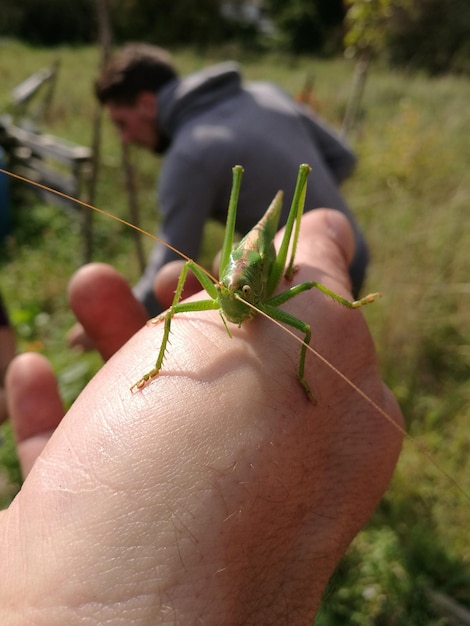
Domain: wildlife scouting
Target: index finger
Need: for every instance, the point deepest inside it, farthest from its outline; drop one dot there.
(105, 306)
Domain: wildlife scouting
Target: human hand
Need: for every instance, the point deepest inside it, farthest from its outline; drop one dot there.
(219, 493)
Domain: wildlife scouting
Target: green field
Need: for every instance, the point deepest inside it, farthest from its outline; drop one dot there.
(411, 194)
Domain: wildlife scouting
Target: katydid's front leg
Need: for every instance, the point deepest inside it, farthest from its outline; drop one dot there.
(271, 308)
(203, 278)
(179, 307)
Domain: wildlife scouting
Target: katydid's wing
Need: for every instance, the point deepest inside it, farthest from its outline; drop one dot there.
(260, 237)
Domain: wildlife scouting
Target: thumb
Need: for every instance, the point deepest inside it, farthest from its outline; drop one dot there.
(327, 242)
(105, 306)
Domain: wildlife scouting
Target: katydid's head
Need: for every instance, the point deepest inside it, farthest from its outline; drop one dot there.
(242, 280)
(231, 303)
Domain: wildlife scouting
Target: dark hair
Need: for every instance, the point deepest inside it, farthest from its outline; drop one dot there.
(137, 67)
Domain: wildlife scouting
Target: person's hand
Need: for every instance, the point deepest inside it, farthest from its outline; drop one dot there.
(218, 494)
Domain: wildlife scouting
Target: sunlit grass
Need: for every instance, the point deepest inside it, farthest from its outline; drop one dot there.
(411, 193)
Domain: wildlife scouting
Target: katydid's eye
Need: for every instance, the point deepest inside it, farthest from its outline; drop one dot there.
(246, 290)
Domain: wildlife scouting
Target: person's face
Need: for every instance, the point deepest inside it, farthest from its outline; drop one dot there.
(137, 123)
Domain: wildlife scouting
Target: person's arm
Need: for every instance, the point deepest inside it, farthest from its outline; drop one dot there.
(218, 494)
(336, 153)
(186, 198)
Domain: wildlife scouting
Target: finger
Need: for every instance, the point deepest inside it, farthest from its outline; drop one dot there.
(166, 280)
(105, 306)
(35, 406)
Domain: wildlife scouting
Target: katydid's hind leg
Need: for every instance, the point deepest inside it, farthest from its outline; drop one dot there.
(291, 320)
(301, 368)
(271, 307)
(153, 373)
(305, 328)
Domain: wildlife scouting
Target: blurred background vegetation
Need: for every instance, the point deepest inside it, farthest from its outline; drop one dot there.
(411, 191)
(423, 34)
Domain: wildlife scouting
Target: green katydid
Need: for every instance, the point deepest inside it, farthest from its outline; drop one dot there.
(250, 272)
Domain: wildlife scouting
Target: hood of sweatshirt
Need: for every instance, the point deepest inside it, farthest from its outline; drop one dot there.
(181, 99)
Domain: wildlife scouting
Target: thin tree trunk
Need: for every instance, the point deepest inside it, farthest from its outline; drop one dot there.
(133, 203)
(104, 40)
(357, 92)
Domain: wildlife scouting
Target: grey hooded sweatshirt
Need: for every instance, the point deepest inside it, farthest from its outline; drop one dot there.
(210, 121)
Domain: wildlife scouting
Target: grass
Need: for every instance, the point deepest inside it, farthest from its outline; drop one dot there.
(411, 193)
